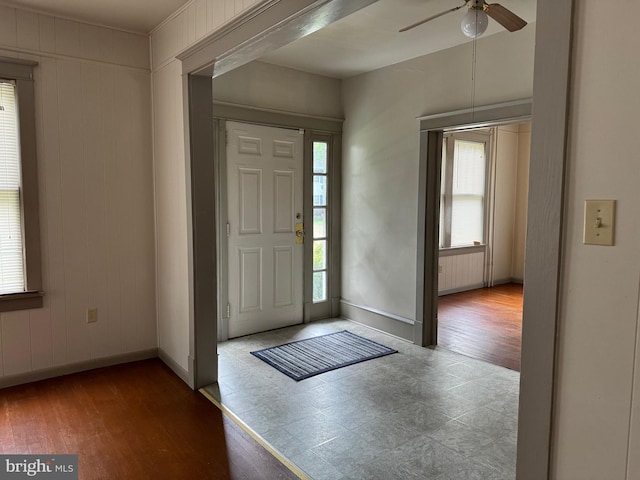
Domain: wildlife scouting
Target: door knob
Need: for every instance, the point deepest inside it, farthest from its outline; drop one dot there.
(299, 233)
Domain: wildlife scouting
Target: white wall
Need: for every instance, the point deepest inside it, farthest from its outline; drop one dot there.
(522, 193)
(460, 272)
(263, 85)
(380, 157)
(598, 325)
(189, 24)
(504, 207)
(184, 28)
(171, 214)
(96, 194)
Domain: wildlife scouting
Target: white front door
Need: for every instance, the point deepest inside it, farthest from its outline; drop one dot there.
(265, 185)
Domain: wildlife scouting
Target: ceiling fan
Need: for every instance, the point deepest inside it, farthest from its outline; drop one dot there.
(476, 20)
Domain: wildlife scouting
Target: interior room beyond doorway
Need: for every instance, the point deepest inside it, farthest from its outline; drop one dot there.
(483, 211)
(484, 323)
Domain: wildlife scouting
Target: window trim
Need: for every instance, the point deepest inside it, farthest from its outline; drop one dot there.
(451, 251)
(21, 72)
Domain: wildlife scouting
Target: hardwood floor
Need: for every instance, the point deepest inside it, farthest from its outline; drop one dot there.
(484, 324)
(132, 421)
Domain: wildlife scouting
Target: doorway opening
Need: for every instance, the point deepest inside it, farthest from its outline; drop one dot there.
(552, 73)
(481, 246)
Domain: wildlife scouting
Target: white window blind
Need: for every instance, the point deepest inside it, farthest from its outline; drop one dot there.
(462, 189)
(12, 278)
(467, 203)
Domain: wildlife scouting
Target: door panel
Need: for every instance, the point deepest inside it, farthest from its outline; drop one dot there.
(250, 192)
(284, 202)
(283, 149)
(250, 263)
(283, 276)
(249, 145)
(265, 186)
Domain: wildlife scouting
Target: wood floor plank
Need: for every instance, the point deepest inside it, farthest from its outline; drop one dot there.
(485, 323)
(133, 421)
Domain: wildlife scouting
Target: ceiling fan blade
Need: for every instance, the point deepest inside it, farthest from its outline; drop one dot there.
(434, 17)
(504, 17)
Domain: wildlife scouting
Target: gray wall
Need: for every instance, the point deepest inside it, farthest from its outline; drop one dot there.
(263, 85)
(380, 156)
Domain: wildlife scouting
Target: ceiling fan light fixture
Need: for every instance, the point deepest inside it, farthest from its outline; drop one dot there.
(474, 23)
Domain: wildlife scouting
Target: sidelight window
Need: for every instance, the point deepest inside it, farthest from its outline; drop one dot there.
(320, 221)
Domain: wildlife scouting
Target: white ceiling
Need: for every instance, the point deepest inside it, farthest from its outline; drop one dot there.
(361, 42)
(369, 39)
(133, 15)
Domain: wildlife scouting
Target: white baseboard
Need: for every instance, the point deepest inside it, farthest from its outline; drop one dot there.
(504, 281)
(174, 366)
(383, 321)
(460, 289)
(28, 377)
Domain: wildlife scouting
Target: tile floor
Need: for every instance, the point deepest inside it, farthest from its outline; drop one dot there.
(417, 414)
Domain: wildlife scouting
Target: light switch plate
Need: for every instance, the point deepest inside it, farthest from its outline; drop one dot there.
(599, 222)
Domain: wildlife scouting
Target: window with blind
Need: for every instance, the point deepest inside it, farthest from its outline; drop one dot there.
(11, 245)
(463, 190)
(20, 269)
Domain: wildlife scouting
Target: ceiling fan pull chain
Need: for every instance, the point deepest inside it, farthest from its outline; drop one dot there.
(473, 79)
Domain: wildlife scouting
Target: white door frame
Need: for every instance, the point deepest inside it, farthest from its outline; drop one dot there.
(546, 198)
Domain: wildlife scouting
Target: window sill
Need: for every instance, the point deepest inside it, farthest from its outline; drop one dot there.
(11, 302)
(448, 252)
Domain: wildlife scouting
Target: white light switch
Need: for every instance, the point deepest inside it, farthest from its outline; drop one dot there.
(599, 222)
